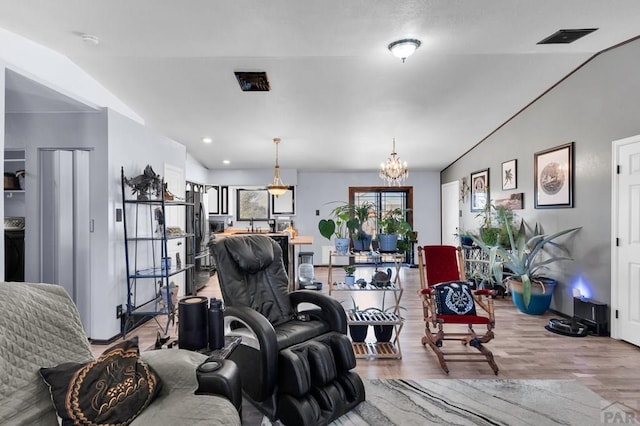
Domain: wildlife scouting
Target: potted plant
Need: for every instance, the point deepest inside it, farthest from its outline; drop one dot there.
(346, 222)
(383, 332)
(340, 224)
(349, 278)
(393, 226)
(523, 266)
(494, 222)
(362, 214)
(358, 332)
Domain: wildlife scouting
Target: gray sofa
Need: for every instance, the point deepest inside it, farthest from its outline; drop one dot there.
(40, 327)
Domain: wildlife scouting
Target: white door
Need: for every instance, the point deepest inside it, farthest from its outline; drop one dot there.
(450, 213)
(65, 225)
(625, 264)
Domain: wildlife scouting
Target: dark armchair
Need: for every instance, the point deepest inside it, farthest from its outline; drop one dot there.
(295, 358)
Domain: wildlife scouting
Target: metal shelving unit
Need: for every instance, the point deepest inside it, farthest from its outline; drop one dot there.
(149, 292)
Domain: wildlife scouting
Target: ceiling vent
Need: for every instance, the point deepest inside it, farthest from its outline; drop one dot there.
(253, 81)
(566, 36)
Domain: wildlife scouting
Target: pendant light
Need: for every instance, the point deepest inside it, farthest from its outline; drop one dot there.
(277, 187)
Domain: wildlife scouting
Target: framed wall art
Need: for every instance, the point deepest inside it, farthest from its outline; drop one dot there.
(514, 202)
(509, 175)
(252, 204)
(285, 203)
(213, 191)
(553, 169)
(479, 189)
(224, 200)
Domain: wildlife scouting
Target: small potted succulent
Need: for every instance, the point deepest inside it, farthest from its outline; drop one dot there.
(349, 278)
(358, 332)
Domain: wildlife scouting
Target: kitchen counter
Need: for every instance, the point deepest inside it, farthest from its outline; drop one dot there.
(297, 240)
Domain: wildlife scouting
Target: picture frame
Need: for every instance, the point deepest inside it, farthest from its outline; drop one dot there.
(509, 175)
(514, 202)
(479, 189)
(252, 204)
(553, 177)
(224, 200)
(285, 203)
(213, 192)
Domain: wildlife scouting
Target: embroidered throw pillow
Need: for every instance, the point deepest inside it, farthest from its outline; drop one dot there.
(454, 298)
(112, 389)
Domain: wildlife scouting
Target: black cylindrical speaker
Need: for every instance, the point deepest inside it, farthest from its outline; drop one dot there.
(216, 324)
(192, 323)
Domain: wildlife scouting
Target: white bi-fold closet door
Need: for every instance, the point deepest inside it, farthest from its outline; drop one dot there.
(65, 224)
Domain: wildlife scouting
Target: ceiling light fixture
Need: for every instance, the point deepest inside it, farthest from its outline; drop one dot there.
(207, 140)
(277, 187)
(404, 48)
(394, 171)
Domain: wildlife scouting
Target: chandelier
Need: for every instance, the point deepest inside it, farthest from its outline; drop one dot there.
(277, 187)
(394, 171)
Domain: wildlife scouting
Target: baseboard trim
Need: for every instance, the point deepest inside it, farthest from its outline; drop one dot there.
(112, 339)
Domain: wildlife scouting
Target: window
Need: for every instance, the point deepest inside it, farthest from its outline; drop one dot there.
(384, 198)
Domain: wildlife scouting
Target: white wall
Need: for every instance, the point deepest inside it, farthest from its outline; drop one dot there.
(35, 131)
(594, 106)
(72, 130)
(316, 189)
(195, 171)
(133, 147)
(130, 145)
(253, 177)
(57, 72)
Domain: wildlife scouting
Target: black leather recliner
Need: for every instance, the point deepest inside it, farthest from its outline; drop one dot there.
(294, 364)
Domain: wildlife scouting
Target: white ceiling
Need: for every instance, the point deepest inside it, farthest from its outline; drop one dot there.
(338, 96)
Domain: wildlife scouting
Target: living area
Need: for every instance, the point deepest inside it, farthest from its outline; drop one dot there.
(579, 112)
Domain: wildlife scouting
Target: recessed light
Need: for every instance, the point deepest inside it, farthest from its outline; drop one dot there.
(207, 140)
(226, 162)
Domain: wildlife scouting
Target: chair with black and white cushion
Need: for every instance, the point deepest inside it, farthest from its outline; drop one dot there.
(449, 306)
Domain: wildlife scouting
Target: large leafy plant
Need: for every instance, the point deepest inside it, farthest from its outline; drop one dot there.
(362, 213)
(346, 220)
(394, 222)
(494, 221)
(522, 259)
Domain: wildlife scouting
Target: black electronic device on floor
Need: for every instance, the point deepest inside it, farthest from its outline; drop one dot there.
(593, 314)
(567, 327)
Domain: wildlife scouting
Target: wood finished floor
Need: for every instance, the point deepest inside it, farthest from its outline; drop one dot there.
(523, 349)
